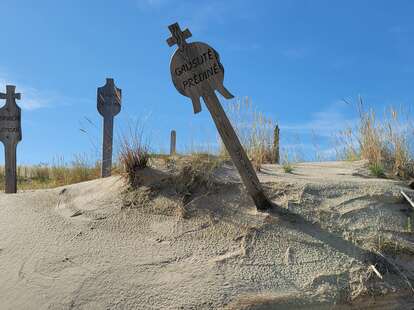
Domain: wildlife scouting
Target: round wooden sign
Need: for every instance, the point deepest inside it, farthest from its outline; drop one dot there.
(196, 71)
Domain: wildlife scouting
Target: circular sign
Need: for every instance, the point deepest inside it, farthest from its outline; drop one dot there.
(196, 70)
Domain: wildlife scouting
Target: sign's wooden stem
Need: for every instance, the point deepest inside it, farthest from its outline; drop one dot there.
(108, 129)
(10, 168)
(236, 151)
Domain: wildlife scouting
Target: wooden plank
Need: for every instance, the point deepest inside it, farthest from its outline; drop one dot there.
(109, 104)
(173, 142)
(10, 135)
(408, 198)
(196, 72)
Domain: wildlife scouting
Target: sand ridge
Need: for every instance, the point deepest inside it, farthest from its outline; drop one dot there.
(77, 247)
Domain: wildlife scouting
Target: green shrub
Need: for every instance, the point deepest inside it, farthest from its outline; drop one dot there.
(377, 170)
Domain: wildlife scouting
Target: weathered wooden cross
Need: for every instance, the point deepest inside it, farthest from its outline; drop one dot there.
(109, 105)
(197, 72)
(10, 135)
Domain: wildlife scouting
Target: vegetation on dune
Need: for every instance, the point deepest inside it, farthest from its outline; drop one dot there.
(133, 156)
(377, 170)
(385, 143)
(287, 167)
(174, 186)
(57, 174)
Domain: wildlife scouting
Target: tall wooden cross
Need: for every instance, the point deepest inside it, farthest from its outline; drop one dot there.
(196, 72)
(109, 105)
(10, 135)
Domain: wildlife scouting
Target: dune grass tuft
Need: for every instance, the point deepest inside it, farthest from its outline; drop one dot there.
(384, 143)
(134, 156)
(287, 167)
(377, 170)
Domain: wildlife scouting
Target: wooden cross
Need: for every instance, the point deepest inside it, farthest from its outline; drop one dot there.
(196, 72)
(10, 94)
(10, 135)
(178, 36)
(108, 104)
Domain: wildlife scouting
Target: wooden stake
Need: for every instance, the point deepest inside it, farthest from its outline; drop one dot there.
(276, 153)
(173, 142)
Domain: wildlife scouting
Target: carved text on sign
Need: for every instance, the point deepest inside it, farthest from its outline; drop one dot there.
(198, 69)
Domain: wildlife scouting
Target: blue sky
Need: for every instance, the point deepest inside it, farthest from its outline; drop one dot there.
(295, 59)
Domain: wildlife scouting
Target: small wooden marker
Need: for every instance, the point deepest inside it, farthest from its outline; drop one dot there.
(109, 105)
(173, 142)
(276, 141)
(196, 72)
(10, 135)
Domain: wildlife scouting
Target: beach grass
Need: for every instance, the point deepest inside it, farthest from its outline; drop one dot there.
(56, 174)
(255, 131)
(384, 142)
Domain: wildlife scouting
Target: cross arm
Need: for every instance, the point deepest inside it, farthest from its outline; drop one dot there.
(15, 96)
(10, 94)
(178, 37)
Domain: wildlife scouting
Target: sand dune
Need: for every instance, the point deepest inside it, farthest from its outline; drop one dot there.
(79, 247)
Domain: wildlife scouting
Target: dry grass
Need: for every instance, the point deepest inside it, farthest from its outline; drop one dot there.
(384, 143)
(55, 174)
(133, 156)
(196, 173)
(255, 131)
(173, 185)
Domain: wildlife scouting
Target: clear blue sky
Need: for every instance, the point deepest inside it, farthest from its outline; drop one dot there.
(295, 59)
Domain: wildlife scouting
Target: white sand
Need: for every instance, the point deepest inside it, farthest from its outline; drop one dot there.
(225, 255)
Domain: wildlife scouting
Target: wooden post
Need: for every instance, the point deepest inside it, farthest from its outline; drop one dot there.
(276, 152)
(11, 167)
(173, 142)
(108, 130)
(10, 135)
(197, 72)
(109, 105)
(236, 151)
